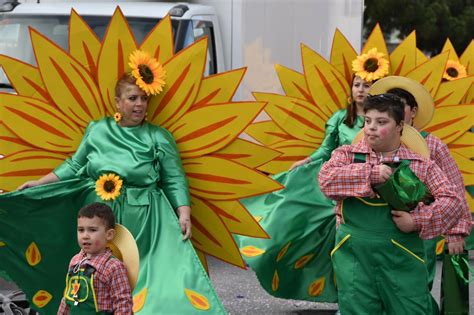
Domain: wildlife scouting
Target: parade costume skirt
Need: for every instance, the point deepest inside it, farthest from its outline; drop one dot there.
(38, 238)
(295, 262)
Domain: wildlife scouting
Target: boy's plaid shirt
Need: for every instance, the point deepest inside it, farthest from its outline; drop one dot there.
(340, 178)
(110, 283)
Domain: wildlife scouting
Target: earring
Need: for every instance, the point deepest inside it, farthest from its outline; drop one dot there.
(349, 100)
(117, 117)
(146, 116)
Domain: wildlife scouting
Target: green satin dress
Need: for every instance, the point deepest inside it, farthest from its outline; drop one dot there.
(301, 223)
(171, 278)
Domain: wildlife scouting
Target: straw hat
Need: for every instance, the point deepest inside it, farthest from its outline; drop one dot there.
(411, 138)
(125, 248)
(420, 93)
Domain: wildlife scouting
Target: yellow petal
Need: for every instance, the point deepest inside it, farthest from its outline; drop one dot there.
(451, 121)
(267, 132)
(303, 261)
(17, 168)
(41, 298)
(211, 236)
(159, 42)
(237, 218)
(342, 54)
(218, 179)
(70, 85)
(247, 153)
(39, 124)
(420, 57)
(316, 287)
(329, 88)
(440, 246)
(184, 74)
(464, 145)
(292, 151)
(219, 88)
(33, 254)
(139, 300)
(211, 128)
(453, 92)
(297, 117)
(10, 143)
(203, 259)
(251, 251)
(86, 45)
(430, 73)
(448, 47)
(403, 57)
(466, 166)
(197, 300)
(117, 46)
(467, 58)
(29, 83)
(293, 83)
(275, 281)
(470, 201)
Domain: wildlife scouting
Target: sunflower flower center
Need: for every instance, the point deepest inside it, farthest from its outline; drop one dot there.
(452, 72)
(371, 65)
(146, 73)
(109, 186)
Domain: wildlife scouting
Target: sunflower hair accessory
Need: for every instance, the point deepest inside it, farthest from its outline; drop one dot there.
(108, 186)
(117, 117)
(454, 70)
(370, 66)
(148, 72)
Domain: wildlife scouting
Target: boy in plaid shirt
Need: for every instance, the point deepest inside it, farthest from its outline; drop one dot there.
(97, 282)
(379, 257)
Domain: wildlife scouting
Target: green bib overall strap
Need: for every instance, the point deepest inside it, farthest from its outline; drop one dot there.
(80, 294)
(424, 134)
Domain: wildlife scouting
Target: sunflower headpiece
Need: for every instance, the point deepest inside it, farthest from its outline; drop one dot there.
(370, 66)
(454, 70)
(148, 72)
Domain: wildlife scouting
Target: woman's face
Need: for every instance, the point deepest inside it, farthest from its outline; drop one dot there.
(132, 104)
(381, 131)
(360, 89)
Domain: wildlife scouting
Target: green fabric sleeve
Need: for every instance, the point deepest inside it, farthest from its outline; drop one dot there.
(71, 166)
(331, 137)
(173, 177)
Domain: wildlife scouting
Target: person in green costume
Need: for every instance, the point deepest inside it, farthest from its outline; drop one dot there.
(300, 220)
(419, 108)
(379, 256)
(136, 167)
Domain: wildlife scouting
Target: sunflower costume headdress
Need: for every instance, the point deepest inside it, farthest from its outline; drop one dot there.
(148, 72)
(370, 66)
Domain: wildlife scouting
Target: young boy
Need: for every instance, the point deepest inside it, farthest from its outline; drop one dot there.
(96, 282)
(379, 256)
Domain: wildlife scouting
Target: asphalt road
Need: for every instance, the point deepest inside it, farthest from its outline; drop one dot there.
(241, 293)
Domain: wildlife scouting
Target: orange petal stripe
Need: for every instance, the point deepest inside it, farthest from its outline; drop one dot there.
(251, 251)
(275, 281)
(440, 246)
(283, 251)
(300, 263)
(316, 287)
(33, 254)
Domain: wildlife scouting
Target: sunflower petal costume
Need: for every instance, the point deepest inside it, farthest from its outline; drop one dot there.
(295, 262)
(64, 100)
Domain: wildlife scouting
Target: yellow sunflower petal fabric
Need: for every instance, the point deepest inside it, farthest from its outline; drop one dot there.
(403, 57)
(466, 167)
(267, 132)
(377, 40)
(453, 92)
(463, 145)
(451, 121)
(293, 83)
(430, 73)
(83, 101)
(342, 55)
(27, 84)
(86, 45)
(467, 58)
(159, 42)
(448, 46)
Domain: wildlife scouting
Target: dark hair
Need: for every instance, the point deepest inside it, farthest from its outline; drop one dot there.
(125, 79)
(100, 210)
(351, 109)
(387, 102)
(404, 94)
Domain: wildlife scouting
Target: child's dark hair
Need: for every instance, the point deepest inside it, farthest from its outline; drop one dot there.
(409, 99)
(100, 210)
(387, 102)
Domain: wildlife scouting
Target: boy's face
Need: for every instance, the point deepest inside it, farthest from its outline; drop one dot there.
(381, 131)
(92, 235)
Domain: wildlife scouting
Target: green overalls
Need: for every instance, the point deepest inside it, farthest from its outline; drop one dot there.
(80, 294)
(379, 269)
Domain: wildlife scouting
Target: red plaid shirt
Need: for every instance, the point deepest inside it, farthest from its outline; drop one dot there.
(340, 178)
(111, 284)
(441, 156)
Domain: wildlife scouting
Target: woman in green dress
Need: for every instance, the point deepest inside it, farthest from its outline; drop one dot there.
(295, 263)
(146, 187)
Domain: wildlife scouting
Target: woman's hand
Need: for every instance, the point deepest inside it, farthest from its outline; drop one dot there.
(184, 214)
(300, 162)
(29, 184)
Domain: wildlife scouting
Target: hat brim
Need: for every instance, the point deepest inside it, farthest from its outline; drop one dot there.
(411, 138)
(125, 248)
(423, 98)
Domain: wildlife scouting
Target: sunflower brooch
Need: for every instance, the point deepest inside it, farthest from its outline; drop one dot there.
(108, 186)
